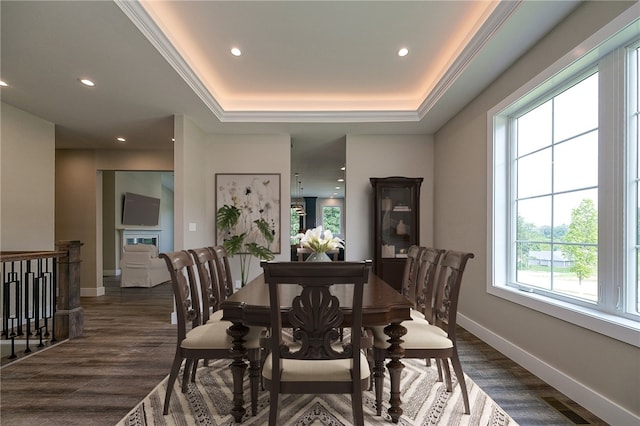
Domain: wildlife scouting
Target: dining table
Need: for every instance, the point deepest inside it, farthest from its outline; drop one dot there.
(382, 305)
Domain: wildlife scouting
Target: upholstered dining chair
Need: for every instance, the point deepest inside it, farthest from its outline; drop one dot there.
(432, 341)
(196, 340)
(317, 362)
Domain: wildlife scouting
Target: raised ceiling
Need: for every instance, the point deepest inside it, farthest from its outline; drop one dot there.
(314, 69)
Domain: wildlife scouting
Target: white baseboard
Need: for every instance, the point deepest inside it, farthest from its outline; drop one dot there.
(598, 404)
(92, 292)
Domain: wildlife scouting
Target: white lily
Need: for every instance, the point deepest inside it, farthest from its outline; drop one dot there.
(319, 241)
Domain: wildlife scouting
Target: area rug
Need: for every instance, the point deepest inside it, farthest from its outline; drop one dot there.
(425, 401)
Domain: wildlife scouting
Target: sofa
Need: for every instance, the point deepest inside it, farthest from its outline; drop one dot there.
(141, 266)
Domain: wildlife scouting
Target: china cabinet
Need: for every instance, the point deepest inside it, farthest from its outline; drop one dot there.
(396, 202)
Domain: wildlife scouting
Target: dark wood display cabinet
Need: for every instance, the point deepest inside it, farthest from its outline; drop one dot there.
(396, 204)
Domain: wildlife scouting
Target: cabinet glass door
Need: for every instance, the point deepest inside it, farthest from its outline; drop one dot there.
(397, 225)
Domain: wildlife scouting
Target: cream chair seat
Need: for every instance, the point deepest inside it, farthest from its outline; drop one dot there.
(141, 266)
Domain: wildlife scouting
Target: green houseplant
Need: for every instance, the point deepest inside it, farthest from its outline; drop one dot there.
(244, 244)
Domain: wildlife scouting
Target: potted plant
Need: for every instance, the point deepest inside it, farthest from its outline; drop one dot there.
(244, 244)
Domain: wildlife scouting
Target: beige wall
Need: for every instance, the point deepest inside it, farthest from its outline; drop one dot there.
(27, 160)
(602, 374)
(78, 200)
(383, 156)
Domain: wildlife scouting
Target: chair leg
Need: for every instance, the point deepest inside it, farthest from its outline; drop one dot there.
(185, 375)
(378, 374)
(254, 378)
(444, 362)
(356, 404)
(193, 370)
(457, 367)
(439, 366)
(273, 406)
(175, 369)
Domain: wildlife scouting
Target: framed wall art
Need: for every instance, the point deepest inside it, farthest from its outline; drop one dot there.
(257, 197)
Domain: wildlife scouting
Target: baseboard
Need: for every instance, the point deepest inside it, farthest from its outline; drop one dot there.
(92, 292)
(598, 404)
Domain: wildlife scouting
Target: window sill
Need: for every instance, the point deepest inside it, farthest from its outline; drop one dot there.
(612, 326)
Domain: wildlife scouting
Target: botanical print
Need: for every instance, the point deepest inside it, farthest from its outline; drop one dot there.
(257, 196)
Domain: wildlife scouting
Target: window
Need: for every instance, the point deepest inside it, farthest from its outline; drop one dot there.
(555, 170)
(332, 218)
(566, 191)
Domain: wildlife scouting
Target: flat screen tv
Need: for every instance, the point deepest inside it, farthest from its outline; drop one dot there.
(140, 210)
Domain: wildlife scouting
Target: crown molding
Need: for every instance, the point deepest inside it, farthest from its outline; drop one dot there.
(148, 27)
(499, 16)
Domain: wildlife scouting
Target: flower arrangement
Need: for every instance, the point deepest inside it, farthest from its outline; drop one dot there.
(320, 242)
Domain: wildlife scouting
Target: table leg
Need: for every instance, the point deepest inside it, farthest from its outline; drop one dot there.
(395, 352)
(238, 331)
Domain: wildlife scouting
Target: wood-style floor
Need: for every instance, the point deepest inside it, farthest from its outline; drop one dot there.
(128, 345)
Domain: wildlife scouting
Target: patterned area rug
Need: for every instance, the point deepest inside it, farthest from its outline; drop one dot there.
(425, 401)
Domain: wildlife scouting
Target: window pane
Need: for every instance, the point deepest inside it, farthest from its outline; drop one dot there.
(534, 217)
(534, 174)
(575, 163)
(576, 109)
(534, 129)
(565, 204)
(331, 218)
(575, 274)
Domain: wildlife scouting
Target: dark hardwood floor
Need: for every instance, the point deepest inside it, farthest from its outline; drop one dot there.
(128, 345)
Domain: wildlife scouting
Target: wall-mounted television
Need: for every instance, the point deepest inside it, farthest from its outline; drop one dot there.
(140, 210)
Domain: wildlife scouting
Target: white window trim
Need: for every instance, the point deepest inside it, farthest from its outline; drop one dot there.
(613, 326)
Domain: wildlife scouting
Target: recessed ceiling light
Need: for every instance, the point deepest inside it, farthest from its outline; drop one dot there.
(3, 84)
(87, 82)
(121, 139)
(403, 52)
(235, 51)
(340, 180)
(343, 168)
(337, 187)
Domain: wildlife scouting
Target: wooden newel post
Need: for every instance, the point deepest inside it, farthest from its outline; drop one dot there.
(69, 313)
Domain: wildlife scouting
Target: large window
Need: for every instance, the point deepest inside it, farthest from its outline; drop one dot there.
(555, 167)
(566, 192)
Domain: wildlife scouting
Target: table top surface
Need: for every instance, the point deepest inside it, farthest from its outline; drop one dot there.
(381, 303)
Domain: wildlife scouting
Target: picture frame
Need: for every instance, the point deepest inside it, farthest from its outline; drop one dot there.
(258, 196)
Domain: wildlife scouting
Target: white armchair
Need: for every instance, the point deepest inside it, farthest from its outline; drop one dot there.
(141, 266)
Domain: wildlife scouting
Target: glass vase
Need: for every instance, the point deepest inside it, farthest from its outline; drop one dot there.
(318, 257)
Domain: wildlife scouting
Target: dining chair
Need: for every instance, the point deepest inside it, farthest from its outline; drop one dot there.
(196, 340)
(410, 273)
(210, 294)
(224, 270)
(317, 362)
(431, 341)
(425, 283)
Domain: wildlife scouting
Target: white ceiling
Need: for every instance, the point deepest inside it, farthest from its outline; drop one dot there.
(317, 70)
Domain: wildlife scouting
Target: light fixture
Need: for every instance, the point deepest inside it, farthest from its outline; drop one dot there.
(343, 168)
(235, 51)
(87, 82)
(121, 139)
(3, 84)
(340, 180)
(298, 205)
(403, 52)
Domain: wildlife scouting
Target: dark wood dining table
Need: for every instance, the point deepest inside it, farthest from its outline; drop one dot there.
(249, 306)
